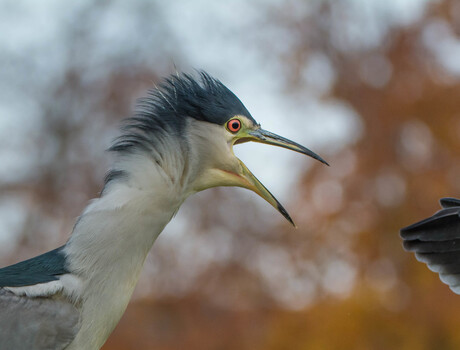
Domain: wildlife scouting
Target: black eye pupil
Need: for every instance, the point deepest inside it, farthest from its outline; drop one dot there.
(235, 125)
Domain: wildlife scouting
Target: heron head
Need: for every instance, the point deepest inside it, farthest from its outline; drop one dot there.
(223, 123)
(206, 120)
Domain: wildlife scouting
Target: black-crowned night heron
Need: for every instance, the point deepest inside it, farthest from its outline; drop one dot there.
(180, 141)
(436, 242)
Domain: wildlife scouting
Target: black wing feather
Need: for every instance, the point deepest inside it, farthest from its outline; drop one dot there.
(436, 242)
(41, 269)
(449, 202)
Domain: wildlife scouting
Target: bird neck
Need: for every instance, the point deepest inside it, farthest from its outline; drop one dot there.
(142, 193)
(121, 226)
(109, 245)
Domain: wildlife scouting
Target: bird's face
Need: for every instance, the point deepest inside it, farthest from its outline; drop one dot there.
(207, 120)
(220, 166)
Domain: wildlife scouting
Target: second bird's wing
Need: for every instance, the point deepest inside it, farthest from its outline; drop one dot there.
(436, 242)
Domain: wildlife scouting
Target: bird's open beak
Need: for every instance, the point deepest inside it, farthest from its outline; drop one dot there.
(253, 183)
(264, 136)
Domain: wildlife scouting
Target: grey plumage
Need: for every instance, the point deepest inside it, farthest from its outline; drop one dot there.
(36, 323)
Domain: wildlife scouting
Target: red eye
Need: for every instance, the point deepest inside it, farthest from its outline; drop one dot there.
(234, 125)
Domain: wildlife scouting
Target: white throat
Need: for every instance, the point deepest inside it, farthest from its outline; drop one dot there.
(111, 241)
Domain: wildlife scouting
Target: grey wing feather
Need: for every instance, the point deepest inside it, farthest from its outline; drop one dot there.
(36, 323)
(436, 242)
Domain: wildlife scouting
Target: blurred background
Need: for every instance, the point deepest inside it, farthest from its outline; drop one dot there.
(372, 86)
